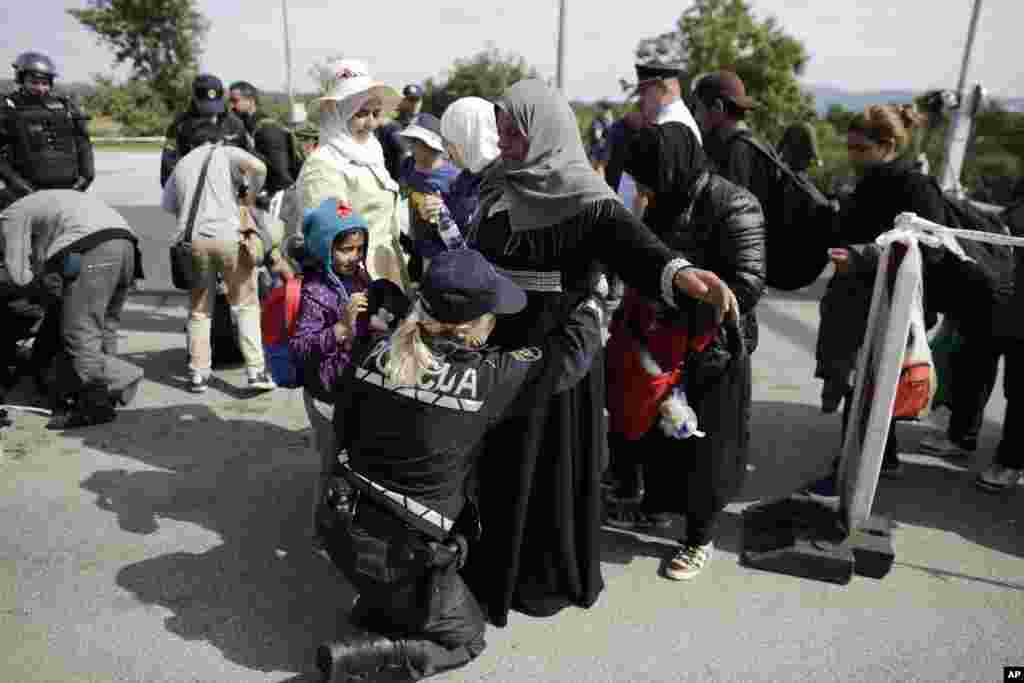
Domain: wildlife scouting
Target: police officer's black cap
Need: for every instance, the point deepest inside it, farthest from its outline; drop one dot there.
(656, 71)
(208, 94)
(460, 286)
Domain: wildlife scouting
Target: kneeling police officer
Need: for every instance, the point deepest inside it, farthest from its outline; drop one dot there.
(411, 412)
(44, 143)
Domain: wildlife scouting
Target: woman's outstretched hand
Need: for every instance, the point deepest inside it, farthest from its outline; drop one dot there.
(704, 285)
(840, 259)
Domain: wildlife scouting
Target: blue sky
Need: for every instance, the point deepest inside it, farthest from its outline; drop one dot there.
(854, 44)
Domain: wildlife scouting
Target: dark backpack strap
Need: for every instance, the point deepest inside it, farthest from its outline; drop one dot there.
(187, 237)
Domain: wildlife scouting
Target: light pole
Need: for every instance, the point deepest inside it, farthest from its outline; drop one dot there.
(560, 69)
(959, 132)
(288, 63)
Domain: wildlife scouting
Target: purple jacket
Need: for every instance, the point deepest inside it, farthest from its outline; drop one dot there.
(319, 356)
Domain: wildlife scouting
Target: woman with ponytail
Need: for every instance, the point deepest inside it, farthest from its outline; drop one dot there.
(878, 142)
(410, 415)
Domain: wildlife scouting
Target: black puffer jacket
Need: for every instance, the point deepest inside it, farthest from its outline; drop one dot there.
(723, 231)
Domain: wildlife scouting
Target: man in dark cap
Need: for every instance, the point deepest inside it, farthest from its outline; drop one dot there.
(272, 141)
(206, 108)
(661, 95)
(395, 148)
(721, 105)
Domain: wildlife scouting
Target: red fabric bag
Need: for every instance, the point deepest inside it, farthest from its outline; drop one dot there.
(280, 311)
(635, 388)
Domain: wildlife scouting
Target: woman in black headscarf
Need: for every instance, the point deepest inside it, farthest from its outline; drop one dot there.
(546, 218)
(719, 226)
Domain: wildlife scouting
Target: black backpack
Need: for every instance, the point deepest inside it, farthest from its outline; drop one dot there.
(799, 221)
(994, 268)
(296, 153)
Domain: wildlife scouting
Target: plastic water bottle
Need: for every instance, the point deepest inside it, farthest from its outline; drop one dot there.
(678, 419)
(449, 230)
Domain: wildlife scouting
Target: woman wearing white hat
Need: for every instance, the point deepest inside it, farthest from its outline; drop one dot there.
(349, 165)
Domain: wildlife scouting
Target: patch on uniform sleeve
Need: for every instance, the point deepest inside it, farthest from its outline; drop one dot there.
(528, 354)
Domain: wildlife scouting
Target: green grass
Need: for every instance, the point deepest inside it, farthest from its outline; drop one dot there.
(98, 143)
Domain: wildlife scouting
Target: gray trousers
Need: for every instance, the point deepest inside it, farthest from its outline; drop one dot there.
(90, 315)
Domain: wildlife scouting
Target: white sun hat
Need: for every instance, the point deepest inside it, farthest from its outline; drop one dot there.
(352, 77)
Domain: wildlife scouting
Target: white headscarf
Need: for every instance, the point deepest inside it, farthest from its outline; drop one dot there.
(469, 123)
(336, 133)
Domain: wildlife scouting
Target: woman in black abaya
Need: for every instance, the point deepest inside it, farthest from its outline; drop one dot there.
(721, 227)
(546, 219)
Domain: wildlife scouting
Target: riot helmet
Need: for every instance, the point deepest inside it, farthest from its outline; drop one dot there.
(35, 64)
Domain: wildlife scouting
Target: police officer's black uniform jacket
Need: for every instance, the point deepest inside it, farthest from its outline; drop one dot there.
(179, 135)
(272, 143)
(418, 441)
(44, 144)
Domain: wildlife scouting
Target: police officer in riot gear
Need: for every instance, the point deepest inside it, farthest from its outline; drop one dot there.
(404, 518)
(44, 143)
(206, 106)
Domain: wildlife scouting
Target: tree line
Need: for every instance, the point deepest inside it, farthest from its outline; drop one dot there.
(161, 41)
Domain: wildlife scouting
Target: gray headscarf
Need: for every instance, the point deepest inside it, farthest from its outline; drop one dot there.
(556, 181)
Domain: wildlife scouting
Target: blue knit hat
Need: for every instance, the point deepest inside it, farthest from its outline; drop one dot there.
(324, 224)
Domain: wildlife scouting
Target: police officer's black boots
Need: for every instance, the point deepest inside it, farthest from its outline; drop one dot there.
(359, 657)
(92, 406)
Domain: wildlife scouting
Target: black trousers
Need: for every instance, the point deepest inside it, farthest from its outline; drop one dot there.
(1011, 447)
(975, 366)
(22, 320)
(401, 596)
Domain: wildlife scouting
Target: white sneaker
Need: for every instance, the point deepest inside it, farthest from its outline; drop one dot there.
(261, 382)
(197, 383)
(688, 561)
(998, 478)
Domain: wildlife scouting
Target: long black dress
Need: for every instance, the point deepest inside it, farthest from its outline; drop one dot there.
(539, 473)
(697, 477)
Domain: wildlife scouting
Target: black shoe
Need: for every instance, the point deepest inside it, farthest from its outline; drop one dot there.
(92, 406)
(358, 657)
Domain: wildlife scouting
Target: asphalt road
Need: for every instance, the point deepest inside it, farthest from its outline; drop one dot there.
(130, 182)
(170, 545)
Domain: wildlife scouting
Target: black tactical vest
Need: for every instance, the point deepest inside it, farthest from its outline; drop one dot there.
(44, 144)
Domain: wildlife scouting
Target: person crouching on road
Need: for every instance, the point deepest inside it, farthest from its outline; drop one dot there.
(333, 299)
(413, 409)
(221, 245)
(83, 258)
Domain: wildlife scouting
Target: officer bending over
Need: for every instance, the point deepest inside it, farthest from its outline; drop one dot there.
(411, 413)
(44, 143)
(81, 258)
